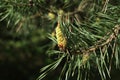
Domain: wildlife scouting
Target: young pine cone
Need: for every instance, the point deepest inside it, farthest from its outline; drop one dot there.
(61, 40)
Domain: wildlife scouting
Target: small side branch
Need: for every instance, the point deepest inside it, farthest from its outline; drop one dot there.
(110, 38)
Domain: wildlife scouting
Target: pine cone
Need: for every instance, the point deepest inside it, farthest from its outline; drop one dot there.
(61, 40)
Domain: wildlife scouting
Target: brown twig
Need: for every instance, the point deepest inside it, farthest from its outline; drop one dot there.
(20, 24)
(105, 6)
(98, 45)
(35, 15)
(113, 52)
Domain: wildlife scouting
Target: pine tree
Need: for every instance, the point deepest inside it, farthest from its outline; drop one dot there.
(84, 33)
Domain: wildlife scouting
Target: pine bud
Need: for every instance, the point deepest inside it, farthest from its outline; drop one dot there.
(97, 19)
(85, 58)
(61, 40)
(51, 16)
(53, 34)
(61, 12)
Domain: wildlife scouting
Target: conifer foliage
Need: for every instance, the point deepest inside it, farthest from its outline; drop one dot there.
(84, 33)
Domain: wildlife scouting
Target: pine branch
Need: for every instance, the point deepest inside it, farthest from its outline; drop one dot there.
(107, 41)
(105, 6)
(84, 4)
